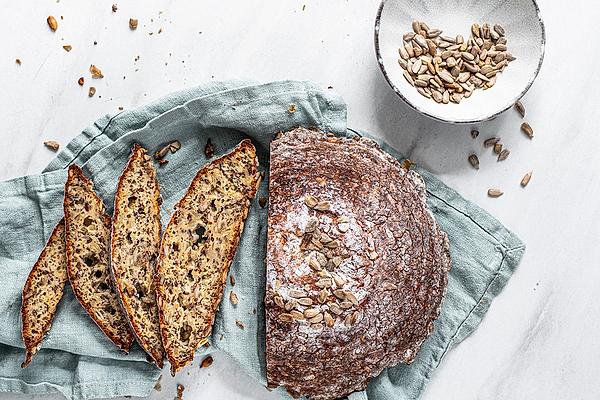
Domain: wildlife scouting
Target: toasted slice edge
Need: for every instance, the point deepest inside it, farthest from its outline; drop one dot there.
(142, 314)
(51, 263)
(119, 333)
(178, 361)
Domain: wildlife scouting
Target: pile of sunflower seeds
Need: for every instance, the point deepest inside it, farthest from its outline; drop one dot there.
(448, 69)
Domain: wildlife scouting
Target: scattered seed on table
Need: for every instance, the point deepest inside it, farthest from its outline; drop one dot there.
(520, 108)
(474, 133)
(52, 23)
(497, 148)
(503, 155)
(206, 362)
(526, 178)
(489, 142)
(474, 161)
(494, 192)
(52, 145)
(527, 129)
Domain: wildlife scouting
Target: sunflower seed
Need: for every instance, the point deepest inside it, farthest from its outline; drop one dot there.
(497, 148)
(52, 23)
(329, 321)
(527, 129)
(311, 312)
(310, 201)
(284, 317)
(446, 76)
(279, 301)
(490, 141)
(503, 155)
(494, 192)
(526, 178)
(334, 308)
(323, 295)
(316, 319)
(520, 108)
(499, 29)
(416, 25)
(352, 298)
(305, 301)
(474, 161)
(296, 293)
(408, 36)
(233, 298)
(297, 315)
(474, 133)
(345, 305)
(324, 283)
(322, 206)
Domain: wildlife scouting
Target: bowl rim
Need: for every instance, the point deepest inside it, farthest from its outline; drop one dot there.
(436, 117)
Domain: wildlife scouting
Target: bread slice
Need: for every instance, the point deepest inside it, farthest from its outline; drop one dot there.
(198, 247)
(135, 242)
(42, 292)
(87, 236)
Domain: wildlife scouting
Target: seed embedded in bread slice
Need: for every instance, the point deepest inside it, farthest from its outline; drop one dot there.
(42, 292)
(135, 242)
(198, 247)
(87, 236)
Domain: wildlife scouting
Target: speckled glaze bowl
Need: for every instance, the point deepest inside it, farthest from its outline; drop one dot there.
(524, 32)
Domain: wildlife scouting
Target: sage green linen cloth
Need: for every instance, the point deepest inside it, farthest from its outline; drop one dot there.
(79, 362)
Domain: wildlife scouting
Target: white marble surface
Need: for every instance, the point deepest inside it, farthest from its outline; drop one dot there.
(539, 337)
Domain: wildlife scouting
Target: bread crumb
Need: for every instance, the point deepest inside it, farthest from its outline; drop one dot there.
(206, 362)
(52, 145)
(180, 389)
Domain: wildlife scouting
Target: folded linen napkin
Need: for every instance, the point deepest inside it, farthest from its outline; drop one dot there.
(79, 362)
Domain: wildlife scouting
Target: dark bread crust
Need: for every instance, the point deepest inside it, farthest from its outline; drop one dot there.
(395, 260)
(32, 340)
(179, 361)
(138, 153)
(124, 343)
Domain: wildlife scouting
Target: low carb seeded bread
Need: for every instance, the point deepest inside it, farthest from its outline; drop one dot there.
(87, 236)
(135, 242)
(198, 247)
(42, 292)
(356, 264)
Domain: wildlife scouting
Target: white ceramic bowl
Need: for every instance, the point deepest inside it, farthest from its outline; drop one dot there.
(524, 32)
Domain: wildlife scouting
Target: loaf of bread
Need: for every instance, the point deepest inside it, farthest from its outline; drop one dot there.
(87, 236)
(197, 248)
(356, 264)
(135, 242)
(42, 292)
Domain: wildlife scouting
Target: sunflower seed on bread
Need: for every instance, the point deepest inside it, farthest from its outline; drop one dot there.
(135, 242)
(42, 292)
(198, 247)
(87, 236)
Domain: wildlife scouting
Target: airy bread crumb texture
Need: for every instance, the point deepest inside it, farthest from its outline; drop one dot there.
(135, 242)
(198, 247)
(87, 236)
(42, 292)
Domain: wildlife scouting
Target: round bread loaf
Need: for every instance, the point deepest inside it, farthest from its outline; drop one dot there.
(357, 266)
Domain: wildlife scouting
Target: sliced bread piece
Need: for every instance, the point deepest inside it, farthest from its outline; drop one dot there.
(87, 236)
(135, 242)
(198, 247)
(42, 292)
